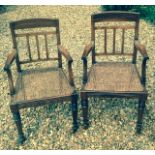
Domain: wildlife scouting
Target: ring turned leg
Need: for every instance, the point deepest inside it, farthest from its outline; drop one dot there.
(141, 107)
(84, 104)
(75, 112)
(17, 119)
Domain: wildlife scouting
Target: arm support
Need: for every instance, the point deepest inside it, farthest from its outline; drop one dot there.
(65, 53)
(11, 57)
(141, 48)
(88, 48)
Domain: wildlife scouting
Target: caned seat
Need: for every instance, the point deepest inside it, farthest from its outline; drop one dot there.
(114, 77)
(40, 84)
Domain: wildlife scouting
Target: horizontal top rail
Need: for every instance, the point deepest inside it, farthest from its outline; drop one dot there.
(115, 16)
(33, 23)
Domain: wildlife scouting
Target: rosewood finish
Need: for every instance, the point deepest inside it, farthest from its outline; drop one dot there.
(40, 86)
(114, 79)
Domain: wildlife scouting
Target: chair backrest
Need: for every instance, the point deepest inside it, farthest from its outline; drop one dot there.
(32, 38)
(113, 26)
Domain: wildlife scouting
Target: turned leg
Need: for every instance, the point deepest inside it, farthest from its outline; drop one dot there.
(17, 119)
(75, 112)
(141, 107)
(84, 104)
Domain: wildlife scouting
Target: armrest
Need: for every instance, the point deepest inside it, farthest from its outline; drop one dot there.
(88, 48)
(143, 52)
(64, 52)
(141, 49)
(10, 58)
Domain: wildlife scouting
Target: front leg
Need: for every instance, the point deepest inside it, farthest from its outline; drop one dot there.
(75, 112)
(84, 104)
(17, 119)
(141, 107)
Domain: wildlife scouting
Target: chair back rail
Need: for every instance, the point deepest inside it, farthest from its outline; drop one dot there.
(28, 24)
(123, 17)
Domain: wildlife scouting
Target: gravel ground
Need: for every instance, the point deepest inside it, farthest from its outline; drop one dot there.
(49, 127)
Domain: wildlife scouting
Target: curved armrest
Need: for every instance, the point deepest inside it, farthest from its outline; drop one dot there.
(10, 58)
(143, 52)
(141, 49)
(88, 48)
(64, 52)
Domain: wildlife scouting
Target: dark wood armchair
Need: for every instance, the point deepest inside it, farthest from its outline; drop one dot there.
(114, 79)
(43, 85)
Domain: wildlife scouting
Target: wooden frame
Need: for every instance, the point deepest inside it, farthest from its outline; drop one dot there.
(90, 48)
(15, 106)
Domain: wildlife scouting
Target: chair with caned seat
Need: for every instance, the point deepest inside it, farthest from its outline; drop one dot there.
(114, 78)
(37, 86)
